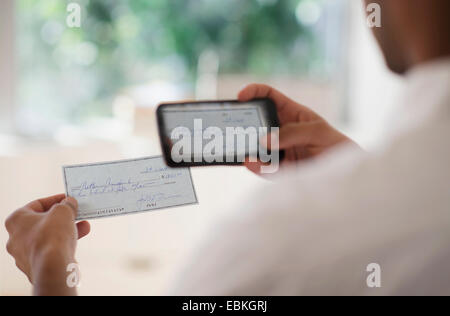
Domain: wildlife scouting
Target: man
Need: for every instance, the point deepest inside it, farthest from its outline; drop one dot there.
(318, 227)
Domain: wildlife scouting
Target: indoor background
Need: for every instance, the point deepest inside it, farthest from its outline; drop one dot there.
(79, 95)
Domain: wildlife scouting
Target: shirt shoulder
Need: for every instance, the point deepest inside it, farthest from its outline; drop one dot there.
(316, 228)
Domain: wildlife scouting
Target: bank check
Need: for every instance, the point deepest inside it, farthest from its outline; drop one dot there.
(127, 186)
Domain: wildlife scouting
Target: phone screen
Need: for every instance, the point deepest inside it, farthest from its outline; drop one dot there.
(221, 132)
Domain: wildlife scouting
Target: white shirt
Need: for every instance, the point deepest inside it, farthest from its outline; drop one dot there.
(316, 229)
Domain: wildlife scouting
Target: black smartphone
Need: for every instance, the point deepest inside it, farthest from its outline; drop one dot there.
(216, 132)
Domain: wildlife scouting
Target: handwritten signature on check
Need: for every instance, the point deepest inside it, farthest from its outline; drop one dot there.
(128, 186)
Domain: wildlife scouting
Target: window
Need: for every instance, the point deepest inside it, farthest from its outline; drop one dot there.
(6, 64)
(176, 49)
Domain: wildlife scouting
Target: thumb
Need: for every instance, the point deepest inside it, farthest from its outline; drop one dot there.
(68, 205)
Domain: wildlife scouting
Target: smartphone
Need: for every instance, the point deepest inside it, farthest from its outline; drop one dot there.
(216, 132)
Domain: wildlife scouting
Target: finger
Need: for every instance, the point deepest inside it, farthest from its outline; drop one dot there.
(255, 166)
(300, 134)
(270, 140)
(287, 109)
(72, 204)
(43, 205)
(67, 206)
(168, 143)
(83, 229)
(255, 91)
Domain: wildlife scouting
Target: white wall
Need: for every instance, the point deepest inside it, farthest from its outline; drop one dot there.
(6, 65)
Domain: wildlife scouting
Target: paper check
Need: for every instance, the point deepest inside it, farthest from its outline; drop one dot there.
(127, 186)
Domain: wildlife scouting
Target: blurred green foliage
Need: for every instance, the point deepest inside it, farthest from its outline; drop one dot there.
(75, 72)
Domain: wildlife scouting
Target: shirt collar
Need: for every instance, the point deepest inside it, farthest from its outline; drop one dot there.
(426, 96)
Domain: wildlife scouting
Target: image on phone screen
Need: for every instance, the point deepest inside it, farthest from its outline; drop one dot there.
(240, 123)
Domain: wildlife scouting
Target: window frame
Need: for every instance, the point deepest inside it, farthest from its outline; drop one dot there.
(7, 66)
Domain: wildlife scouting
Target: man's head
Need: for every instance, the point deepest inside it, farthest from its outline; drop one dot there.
(413, 31)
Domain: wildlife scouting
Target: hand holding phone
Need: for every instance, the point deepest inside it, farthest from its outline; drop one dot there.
(303, 133)
(216, 132)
